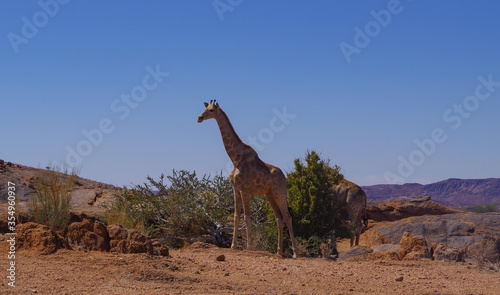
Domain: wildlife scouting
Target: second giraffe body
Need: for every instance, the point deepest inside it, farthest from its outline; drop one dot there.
(251, 176)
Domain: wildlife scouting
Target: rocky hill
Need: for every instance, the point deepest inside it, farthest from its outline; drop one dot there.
(86, 196)
(457, 193)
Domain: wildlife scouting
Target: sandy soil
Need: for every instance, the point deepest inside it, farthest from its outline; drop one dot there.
(196, 271)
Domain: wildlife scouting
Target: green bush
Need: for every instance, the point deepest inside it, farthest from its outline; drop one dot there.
(316, 217)
(484, 208)
(181, 208)
(51, 205)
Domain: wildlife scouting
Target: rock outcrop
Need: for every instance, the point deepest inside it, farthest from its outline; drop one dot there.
(413, 247)
(444, 252)
(129, 241)
(86, 196)
(38, 237)
(477, 235)
(355, 253)
(88, 235)
(399, 208)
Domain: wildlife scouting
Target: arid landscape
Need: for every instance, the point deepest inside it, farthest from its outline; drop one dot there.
(250, 147)
(196, 271)
(412, 246)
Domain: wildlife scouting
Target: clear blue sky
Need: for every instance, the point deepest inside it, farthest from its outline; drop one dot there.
(364, 80)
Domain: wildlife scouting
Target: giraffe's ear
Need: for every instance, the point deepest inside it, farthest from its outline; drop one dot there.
(216, 104)
(206, 104)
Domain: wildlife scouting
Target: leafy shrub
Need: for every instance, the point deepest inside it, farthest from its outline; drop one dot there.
(51, 205)
(315, 215)
(182, 210)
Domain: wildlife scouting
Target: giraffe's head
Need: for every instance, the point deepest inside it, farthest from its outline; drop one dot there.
(211, 111)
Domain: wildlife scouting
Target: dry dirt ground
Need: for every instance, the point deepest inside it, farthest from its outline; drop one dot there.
(196, 271)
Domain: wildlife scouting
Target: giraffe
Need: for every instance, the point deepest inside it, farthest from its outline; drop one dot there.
(354, 197)
(251, 176)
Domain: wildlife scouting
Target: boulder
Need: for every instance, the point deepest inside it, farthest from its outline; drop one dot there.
(88, 235)
(442, 251)
(413, 247)
(398, 208)
(38, 237)
(478, 235)
(357, 253)
(159, 249)
(130, 241)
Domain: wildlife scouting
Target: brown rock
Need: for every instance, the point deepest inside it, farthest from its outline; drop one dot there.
(39, 237)
(117, 232)
(444, 252)
(220, 258)
(398, 208)
(88, 235)
(139, 243)
(355, 253)
(478, 235)
(130, 241)
(160, 249)
(412, 247)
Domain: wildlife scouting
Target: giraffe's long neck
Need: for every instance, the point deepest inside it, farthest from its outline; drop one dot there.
(235, 148)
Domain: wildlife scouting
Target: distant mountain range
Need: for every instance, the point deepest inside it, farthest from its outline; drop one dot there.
(456, 193)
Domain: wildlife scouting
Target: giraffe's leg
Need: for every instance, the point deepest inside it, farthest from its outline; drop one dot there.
(356, 233)
(279, 221)
(355, 215)
(287, 218)
(354, 226)
(280, 198)
(245, 197)
(288, 222)
(237, 215)
(359, 228)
